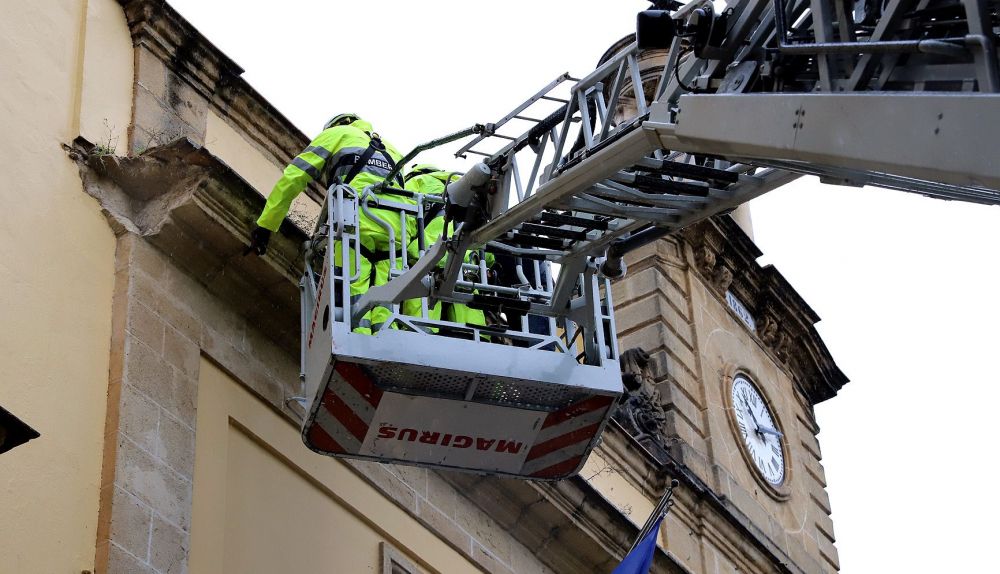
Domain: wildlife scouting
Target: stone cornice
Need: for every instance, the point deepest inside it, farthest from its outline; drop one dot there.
(156, 26)
(170, 37)
(726, 258)
(569, 525)
(197, 211)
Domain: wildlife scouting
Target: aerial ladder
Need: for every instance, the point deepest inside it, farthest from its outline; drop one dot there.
(901, 94)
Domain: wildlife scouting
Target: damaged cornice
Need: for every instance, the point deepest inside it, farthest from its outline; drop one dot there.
(158, 27)
(197, 210)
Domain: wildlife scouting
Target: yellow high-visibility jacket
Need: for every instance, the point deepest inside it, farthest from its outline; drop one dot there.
(425, 181)
(332, 155)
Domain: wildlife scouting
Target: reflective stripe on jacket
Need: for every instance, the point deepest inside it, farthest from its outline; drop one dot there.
(332, 148)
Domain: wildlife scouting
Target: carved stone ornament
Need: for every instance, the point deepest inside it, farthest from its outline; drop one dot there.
(642, 412)
(776, 338)
(781, 347)
(769, 331)
(722, 278)
(705, 258)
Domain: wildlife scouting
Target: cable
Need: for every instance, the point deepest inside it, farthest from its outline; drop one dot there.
(677, 75)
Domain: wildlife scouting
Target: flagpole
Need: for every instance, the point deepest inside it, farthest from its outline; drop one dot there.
(662, 508)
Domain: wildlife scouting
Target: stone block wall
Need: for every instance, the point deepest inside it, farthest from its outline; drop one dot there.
(653, 311)
(672, 305)
(165, 321)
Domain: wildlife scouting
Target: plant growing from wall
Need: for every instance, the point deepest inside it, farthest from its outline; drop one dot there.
(109, 144)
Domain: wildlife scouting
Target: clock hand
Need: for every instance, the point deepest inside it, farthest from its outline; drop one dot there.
(756, 421)
(753, 421)
(769, 430)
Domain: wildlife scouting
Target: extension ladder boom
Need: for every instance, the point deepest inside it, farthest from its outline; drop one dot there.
(700, 114)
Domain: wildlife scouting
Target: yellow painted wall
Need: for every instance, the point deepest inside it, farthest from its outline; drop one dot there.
(105, 86)
(231, 147)
(264, 503)
(56, 273)
(226, 143)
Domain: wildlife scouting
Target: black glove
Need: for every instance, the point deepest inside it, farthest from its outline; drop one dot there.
(259, 238)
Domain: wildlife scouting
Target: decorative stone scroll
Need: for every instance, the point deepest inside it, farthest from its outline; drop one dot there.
(642, 413)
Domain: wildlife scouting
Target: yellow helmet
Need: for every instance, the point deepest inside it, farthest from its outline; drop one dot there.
(420, 169)
(341, 120)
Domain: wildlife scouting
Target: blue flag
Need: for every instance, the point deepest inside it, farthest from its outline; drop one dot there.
(640, 558)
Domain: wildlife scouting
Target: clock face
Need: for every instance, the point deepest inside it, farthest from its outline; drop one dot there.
(761, 437)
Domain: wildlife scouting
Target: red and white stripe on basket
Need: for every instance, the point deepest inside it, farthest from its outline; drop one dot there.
(346, 412)
(565, 437)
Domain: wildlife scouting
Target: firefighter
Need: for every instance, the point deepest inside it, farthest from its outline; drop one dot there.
(346, 151)
(427, 179)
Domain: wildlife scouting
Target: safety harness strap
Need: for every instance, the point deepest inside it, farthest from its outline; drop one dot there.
(358, 163)
(374, 256)
(433, 211)
(388, 157)
(378, 255)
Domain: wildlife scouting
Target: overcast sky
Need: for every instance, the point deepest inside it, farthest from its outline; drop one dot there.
(906, 285)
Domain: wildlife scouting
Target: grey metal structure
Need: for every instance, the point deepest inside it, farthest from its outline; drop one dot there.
(896, 93)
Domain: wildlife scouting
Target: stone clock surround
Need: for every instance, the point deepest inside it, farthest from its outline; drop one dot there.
(673, 305)
(780, 492)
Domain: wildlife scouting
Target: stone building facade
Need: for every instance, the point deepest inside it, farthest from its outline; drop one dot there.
(171, 447)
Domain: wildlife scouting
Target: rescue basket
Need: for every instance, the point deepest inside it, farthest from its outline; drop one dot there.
(527, 399)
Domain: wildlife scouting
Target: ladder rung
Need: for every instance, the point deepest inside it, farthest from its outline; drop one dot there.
(689, 171)
(501, 136)
(644, 213)
(624, 197)
(648, 183)
(527, 119)
(623, 201)
(528, 256)
(560, 100)
(553, 231)
(583, 222)
(523, 239)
